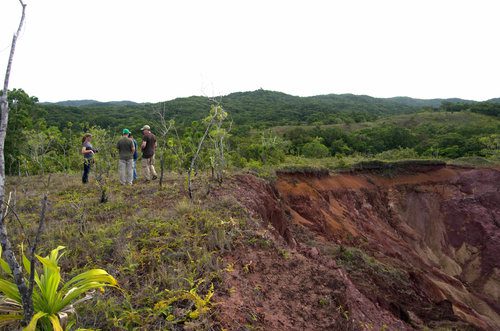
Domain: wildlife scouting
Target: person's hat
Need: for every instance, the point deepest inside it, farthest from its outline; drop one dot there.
(126, 131)
(145, 127)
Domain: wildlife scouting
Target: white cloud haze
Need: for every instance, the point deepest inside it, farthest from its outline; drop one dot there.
(154, 50)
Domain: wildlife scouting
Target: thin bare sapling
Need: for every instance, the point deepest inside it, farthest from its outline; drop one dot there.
(8, 254)
(164, 127)
(104, 160)
(216, 115)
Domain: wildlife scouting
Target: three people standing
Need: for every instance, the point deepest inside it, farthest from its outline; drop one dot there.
(128, 154)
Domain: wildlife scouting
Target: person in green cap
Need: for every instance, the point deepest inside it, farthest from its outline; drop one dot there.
(126, 151)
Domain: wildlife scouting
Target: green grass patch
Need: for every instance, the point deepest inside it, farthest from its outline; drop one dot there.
(164, 250)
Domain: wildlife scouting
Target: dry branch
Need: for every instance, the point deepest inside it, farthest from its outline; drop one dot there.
(4, 239)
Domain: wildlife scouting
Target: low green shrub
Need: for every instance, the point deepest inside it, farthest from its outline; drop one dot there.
(53, 302)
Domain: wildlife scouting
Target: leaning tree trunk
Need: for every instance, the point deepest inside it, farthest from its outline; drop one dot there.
(8, 253)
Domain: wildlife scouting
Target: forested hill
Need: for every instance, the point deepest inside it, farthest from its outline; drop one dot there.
(79, 103)
(259, 109)
(435, 103)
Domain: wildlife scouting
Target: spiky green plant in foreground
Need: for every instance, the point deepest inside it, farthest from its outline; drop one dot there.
(53, 303)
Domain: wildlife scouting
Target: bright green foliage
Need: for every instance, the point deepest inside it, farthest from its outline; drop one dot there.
(47, 138)
(491, 145)
(24, 115)
(315, 149)
(428, 134)
(382, 138)
(485, 108)
(264, 148)
(398, 154)
(53, 301)
(39, 154)
(218, 141)
(105, 142)
(201, 303)
(171, 148)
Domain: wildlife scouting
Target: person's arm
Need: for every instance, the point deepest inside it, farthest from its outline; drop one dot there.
(143, 144)
(86, 151)
(132, 147)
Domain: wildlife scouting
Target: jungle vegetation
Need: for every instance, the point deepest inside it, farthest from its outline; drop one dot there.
(264, 127)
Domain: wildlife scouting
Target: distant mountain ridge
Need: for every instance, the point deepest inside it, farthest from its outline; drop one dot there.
(403, 100)
(87, 102)
(427, 102)
(259, 108)
(494, 100)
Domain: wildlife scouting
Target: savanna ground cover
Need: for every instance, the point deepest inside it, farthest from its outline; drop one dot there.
(164, 251)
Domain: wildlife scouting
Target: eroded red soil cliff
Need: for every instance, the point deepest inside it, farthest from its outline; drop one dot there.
(400, 249)
(441, 225)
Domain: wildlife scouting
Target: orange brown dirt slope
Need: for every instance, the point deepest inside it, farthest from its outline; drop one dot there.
(370, 250)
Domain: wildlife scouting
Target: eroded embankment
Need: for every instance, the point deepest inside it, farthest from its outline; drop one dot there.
(422, 243)
(276, 282)
(440, 224)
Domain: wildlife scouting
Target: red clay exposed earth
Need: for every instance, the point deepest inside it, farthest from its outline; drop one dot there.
(426, 252)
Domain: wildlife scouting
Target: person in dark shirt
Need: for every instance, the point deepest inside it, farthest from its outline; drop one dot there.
(126, 151)
(88, 156)
(148, 148)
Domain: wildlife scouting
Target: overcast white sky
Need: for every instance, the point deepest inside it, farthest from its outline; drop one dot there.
(155, 50)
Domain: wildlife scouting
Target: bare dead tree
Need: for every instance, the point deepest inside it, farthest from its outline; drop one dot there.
(80, 215)
(178, 148)
(9, 255)
(103, 166)
(216, 112)
(164, 128)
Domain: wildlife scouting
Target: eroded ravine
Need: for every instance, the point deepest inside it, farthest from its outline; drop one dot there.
(440, 225)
